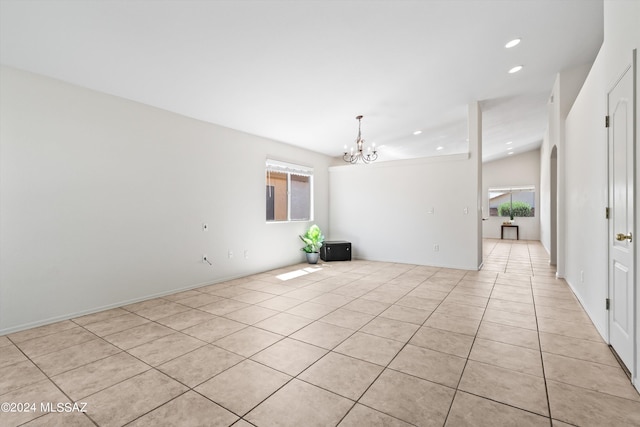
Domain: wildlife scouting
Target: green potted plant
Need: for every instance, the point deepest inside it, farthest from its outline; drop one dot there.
(312, 239)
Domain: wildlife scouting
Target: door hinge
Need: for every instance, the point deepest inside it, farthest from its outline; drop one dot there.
(606, 121)
(606, 212)
(608, 303)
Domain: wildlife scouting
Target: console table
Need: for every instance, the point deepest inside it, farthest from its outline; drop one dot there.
(510, 226)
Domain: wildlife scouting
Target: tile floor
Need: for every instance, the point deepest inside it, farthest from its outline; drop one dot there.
(350, 344)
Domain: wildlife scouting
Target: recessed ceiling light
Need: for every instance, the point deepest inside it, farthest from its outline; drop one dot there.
(440, 148)
(515, 69)
(418, 132)
(509, 143)
(509, 153)
(512, 43)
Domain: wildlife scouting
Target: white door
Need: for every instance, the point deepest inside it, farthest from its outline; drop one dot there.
(621, 224)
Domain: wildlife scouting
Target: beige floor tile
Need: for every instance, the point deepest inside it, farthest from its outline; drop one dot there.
(189, 409)
(413, 400)
(420, 303)
(558, 303)
(456, 324)
(116, 324)
(470, 410)
(389, 328)
(461, 310)
(186, 319)
(10, 355)
(586, 408)
(283, 323)
(509, 334)
(579, 330)
(383, 296)
(41, 331)
(332, 300)
(99, 316)
(296, 404)
(253, 297)
(573, 316)
(431, 365)
(88, 379)
(214, 329)
(509, 296)
(251, 315)
(61, 419)
(367, 306)
(347, 318)
(363, 416)
(467, 299)
(525, 321)
(443, 341)
(508, 356)
(55, 342)
(577, 348)
(166, 348)
(224, 306)
(504, 385)
(75, 356)
(303, 294)
(200, 365)
(289, 356)
(138, 335)
(242, 387)
(280, 303)
(322, 335)
(164, 310)
(18, 375)
(589, 375)
(41, 392)
(370, 348)
(248, 341)
(311, 310)
(406, 314)
(511, 306)
(122, 402)
(342, 375)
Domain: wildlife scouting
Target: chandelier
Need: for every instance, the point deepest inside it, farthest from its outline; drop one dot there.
(358, 153)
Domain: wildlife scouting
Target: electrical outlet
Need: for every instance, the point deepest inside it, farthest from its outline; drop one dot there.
(466, 211)
(581, 276)
(230, 254)
(246, 254)
(436, 248)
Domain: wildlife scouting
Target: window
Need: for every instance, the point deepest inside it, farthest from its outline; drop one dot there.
(512, 202)
(289, 192)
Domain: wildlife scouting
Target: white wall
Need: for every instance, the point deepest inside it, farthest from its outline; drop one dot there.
(398, 211)
(586, 166)
(103, 200)
(513, 171)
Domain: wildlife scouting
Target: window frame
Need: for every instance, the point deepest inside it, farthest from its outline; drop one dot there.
(511, 190)
(289, 169)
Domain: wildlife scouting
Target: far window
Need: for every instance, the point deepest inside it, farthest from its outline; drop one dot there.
(512, 202)
(289, 192)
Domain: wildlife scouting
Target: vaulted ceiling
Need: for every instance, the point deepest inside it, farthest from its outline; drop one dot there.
(301, 71)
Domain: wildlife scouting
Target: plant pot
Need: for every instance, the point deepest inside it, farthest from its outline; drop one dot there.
(312, 257)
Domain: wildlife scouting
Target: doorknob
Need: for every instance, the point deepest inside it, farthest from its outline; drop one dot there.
(621, 237)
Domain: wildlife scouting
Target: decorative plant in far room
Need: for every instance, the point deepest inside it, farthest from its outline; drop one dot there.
(312, 239)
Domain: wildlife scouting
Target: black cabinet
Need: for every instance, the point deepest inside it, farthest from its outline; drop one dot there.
(337, 250)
